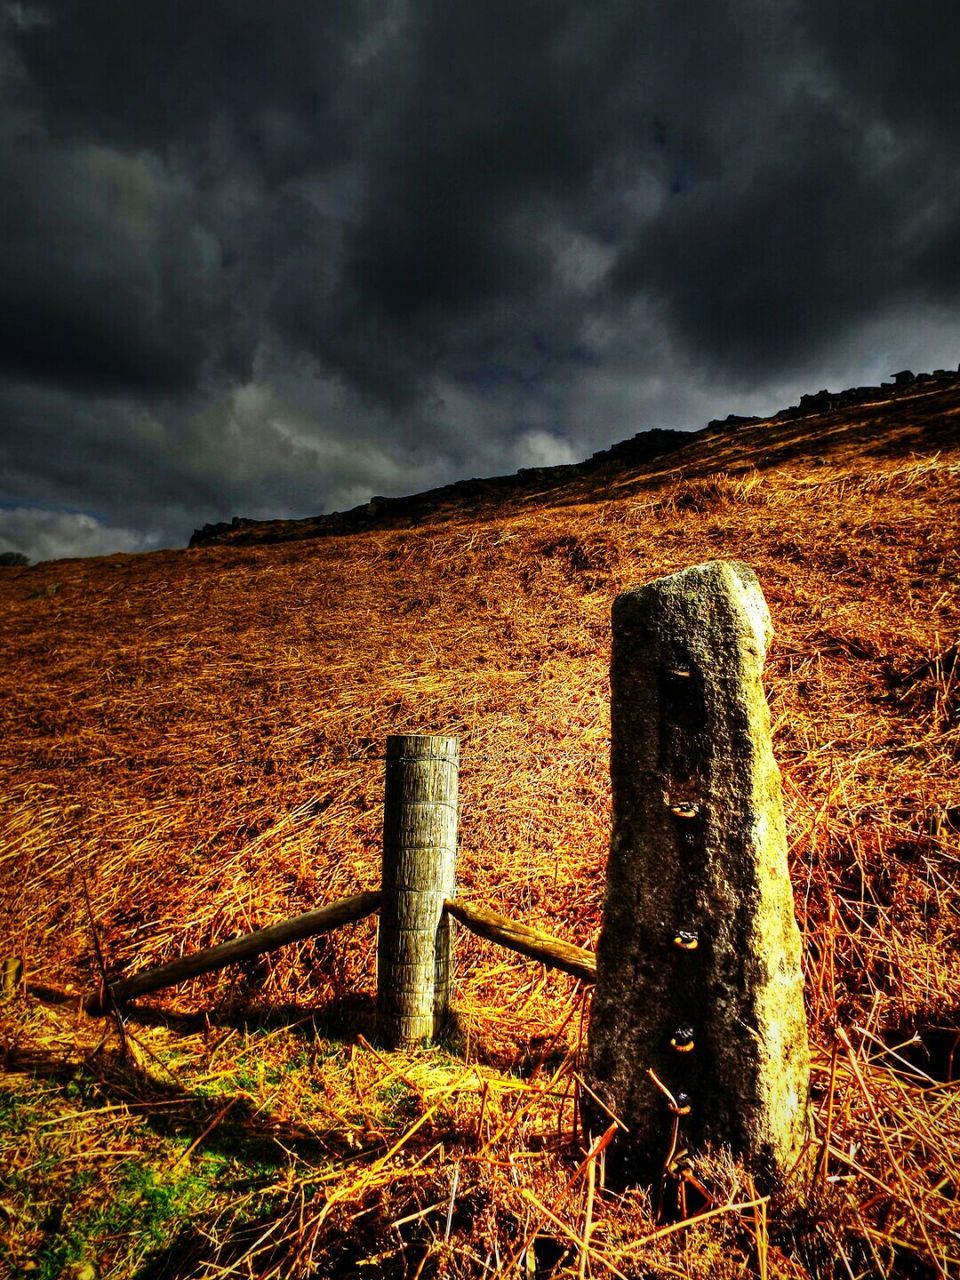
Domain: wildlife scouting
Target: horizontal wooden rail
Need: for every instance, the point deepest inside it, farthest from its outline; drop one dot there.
(345, 911)
(548, 950)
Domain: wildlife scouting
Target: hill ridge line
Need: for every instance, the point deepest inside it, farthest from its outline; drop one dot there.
(468, 495)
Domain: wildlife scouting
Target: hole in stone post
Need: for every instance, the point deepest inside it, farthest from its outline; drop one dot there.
(686, 940)
(682, 1038)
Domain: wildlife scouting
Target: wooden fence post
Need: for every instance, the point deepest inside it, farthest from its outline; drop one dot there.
(699, 975)
(414, 978)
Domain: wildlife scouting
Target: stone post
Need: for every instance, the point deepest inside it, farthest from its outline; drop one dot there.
(699, 960)
(414, 978)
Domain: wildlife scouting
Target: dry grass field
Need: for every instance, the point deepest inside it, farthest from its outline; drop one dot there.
(192, 747)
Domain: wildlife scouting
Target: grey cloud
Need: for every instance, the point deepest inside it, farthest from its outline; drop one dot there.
(775, 259)
(109, 275)
(263, 78)
(105, 277)
(53, 535)
(896, 60)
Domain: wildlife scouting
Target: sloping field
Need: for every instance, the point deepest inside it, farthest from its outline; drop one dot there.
(192, 747)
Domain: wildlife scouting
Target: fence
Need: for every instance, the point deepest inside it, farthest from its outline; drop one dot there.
(414, 972)
(697, 1031)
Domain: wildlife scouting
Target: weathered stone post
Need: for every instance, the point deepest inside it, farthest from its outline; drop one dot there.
(414, 977)
(699, 960)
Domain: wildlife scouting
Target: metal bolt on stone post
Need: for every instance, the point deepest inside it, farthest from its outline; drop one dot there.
(414, 951)
(699, 977)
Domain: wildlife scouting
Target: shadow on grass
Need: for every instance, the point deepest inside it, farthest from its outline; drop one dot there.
(342, 1019)
(931, 1047)
(230, 1123)
(252, 1215)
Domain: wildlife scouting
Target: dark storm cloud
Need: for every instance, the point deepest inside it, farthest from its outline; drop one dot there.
(846, 202)
(269, 258)
(759, 267)
(897, 59)
(896, 63)
(105, 277)
(510, 120)
(159, 73)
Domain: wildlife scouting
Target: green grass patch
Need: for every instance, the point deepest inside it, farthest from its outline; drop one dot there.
(135, 1216)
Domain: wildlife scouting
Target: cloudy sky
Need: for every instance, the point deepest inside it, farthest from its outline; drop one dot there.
(271, 257)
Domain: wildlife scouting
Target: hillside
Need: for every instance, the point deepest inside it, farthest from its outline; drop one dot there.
(192, 747)
(888, 414)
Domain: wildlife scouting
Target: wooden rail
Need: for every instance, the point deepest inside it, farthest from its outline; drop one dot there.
(311, 923)
(529, 942)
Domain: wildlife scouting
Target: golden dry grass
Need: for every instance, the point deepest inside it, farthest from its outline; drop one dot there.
(196, 740)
